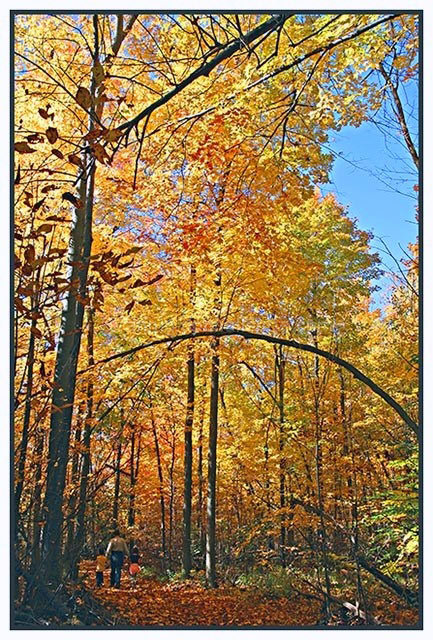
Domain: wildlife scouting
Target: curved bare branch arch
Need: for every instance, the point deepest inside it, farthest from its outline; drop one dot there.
(248, 335)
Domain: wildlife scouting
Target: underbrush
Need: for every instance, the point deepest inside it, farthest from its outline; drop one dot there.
(273, 583)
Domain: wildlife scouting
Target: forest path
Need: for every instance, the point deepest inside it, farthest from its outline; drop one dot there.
(149, 602)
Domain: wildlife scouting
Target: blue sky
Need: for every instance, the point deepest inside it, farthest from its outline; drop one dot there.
(373, 175)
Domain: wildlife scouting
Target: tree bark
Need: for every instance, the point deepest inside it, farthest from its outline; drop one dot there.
(212, 462)
(68, 347)
(80, 535)
(131, 511)
(187, 491)
(37, 503)
(161, 492)
(188, 468)
(200, 527)
(72, 502)
(280, 370)
(64, 381)
(117, 485)
(26, 423)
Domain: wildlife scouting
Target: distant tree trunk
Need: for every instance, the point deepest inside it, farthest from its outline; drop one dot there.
(117, 485)
(212, 463)
(270, 543)
(318, 457)
(161, 491)
(131, 511)
(135, 465)
(200, 527)
(187, 490)
(280, 375)
(171, 501)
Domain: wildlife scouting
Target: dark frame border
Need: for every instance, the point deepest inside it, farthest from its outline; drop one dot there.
(418, 12)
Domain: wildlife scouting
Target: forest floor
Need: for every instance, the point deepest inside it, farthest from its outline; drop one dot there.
(150, 602)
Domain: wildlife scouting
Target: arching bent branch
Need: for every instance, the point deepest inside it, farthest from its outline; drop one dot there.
(288, 343)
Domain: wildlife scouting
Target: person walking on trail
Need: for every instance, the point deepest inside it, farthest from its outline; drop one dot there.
(100, 566)
(118, 548)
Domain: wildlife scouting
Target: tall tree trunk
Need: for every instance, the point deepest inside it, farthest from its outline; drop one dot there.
(318, 457)
(37, 504)
(212, 463)
(187, 488)
(270, 538)
(64, 380)
(200, 527)
(161, 491)
(80, 535)
(131, 511)
(213, 418)
(72, 502)
(117, 485)
(171, 501)
(20, 473)
(280, 366)
(68, 346)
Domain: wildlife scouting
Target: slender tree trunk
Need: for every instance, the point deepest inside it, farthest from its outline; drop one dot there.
(319, 462)
(131, 511)
(200, 527)
(161, 491)
(187, 490)
(280, 366)
(117, 485)
(188, 469)
(171, 501)
(20, 473)
(267, 482)
(213, 432)
(213, 418)
(212, 463)
(399, 111)
(37, 503)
